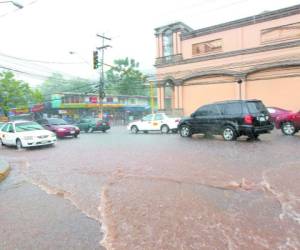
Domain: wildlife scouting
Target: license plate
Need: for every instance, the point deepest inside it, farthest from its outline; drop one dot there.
(72, 132)
(262, 119)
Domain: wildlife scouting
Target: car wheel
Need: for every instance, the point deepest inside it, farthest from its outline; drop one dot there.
(288, 128)
(164, 129)
(229, 133)
(75, 136)
(19, 144)
(104, 131)
(1, 142)
(185, 131)
(134, 129)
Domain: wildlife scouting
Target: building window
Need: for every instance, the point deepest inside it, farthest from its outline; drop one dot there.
(168, 43)
(207, 47)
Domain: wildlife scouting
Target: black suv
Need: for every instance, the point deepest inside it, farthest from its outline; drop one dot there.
(230, 119)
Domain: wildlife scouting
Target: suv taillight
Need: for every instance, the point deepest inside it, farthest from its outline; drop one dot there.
(248, 119)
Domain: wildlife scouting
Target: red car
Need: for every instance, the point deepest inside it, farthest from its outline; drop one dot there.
(60, 127)
(287, 121)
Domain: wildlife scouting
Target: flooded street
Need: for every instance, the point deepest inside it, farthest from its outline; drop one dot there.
(153, 191)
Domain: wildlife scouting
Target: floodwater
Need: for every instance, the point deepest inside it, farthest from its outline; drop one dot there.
(152, 191)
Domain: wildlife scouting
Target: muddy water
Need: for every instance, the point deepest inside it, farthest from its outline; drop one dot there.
(153, 191)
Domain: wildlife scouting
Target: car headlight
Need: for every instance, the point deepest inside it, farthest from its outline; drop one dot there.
(61, 129)
(53, 135)
(76, 128)
(28, 138)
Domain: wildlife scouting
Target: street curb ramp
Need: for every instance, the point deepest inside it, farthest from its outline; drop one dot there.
(4, 169)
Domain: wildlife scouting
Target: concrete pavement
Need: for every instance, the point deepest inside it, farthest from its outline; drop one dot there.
(4, 169)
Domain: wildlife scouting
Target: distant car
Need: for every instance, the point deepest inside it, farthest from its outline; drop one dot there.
(287, 121)
(230, 119)
(60, 127)
(25, 134)
(93, 124)
(154, 122)
(275, 112)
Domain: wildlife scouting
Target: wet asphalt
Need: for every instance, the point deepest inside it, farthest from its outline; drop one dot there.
(153, 191)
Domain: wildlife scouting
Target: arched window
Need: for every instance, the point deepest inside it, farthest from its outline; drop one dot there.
(167, 43)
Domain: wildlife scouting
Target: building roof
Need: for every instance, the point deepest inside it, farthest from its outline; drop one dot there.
(263, 17)
(174, 27)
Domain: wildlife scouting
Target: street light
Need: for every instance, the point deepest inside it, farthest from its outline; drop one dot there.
(81, 57)
(14, 3)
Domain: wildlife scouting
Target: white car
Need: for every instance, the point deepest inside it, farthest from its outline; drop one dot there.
(154, 122)
(25, 134)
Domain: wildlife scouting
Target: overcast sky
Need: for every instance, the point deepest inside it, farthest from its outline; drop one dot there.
(47, 30)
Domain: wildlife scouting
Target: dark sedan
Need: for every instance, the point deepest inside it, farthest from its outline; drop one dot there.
(60, 127)
(93, 124)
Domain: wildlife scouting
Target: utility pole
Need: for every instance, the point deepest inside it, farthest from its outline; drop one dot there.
(151, 97)
(101, 78)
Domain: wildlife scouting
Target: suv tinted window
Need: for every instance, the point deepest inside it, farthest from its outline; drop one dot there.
(256, 107)
(208, 110)
(231, 108)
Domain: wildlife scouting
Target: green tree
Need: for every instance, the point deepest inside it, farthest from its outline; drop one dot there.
(124, 78)
(16, 93)
(56, 83)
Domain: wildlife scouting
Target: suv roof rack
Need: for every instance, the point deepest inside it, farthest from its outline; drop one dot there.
(231, 101)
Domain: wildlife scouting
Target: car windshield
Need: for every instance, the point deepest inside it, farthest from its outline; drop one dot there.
(57, 122)
(28, 126)
(256, 107)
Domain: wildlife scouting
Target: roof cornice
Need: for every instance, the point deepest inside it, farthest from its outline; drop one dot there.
(266, 16)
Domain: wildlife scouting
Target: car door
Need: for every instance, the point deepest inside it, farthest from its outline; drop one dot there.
(200, 121)
(214, 123)
(146, 123)
(297, 120)
(8, 134)
(157, 121)
(84, 124)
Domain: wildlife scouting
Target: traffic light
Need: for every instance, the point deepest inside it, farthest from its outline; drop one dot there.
(95, 59)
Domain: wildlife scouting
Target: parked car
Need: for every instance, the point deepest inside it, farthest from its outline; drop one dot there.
(60, 127)
(230, 119)
(25, 134)
(154, 122)
(287, 121)
(93, 124)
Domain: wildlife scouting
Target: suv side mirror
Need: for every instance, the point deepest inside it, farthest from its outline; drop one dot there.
(193, 114)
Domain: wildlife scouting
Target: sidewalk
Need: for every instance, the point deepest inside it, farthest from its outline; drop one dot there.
(4, 169)
(32, 219)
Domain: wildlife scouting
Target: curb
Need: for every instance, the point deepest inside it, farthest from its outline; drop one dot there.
(4, 170)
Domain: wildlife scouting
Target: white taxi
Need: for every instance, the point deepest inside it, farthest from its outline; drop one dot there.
(25, 134)
(154, 122)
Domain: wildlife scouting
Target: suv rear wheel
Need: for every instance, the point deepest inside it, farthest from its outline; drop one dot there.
(185, 131)
(288, 128)
(229, 133)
